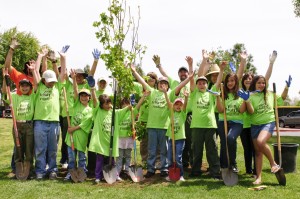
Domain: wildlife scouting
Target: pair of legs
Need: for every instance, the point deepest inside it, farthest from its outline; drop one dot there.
(64, 148)
(124, 154)
(179, 146)
(100, 161)
(249, 152)
(260, 135)
(187, 156)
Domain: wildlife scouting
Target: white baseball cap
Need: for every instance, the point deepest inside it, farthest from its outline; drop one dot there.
(49, 76)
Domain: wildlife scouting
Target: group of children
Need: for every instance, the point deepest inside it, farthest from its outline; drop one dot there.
(85, 115)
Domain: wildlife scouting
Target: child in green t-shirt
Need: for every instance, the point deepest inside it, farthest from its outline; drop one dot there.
(178, 111)
(23, 107)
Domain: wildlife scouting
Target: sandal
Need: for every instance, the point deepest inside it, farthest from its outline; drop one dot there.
(257, 182)
(275, 168)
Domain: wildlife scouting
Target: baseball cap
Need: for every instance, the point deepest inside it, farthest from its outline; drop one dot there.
(201, 78)
(163, 79)
(84, 90)
(102, 79)
(183, 68)
(179, 100)
(80, 71)
(49, 76)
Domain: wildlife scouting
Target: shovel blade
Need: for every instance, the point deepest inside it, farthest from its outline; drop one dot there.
(230, 178)
(174, 173)
(281, 177)
(22, 170)
(110, 173)
(136, 173)
(81, 174)
(74, 175)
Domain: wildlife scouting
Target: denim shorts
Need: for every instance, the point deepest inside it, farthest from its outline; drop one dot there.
(256, 129)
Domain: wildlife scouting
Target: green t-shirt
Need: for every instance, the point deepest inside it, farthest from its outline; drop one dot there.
(70, 97)
(80, 136)
(125, 125)
(47, 103)
(100, 139)
(263, 111)
(158, 110)
(23, 106)
(246, 120)
(232, 107)
(203, 106)
(179, 127)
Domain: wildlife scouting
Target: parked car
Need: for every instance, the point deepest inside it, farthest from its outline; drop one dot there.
(292, 119)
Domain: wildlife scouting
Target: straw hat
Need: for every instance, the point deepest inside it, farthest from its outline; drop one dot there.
(214, 68)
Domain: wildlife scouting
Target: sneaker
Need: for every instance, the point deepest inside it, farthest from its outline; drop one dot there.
(97, 181)
(168, 179)
(68, 177)
(164, 174)
(119, 179)
(64, 166)
(52, 176)
(149, 174)
(181, 179)
(234, 169)
(39, 176)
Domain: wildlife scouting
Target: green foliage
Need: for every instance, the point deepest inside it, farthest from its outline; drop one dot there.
(141, 130)
(296, 4)
(112, 34)
(232, 55)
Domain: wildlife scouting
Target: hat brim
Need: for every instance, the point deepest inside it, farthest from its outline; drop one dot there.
(212, 72)
(85, 93)
(48, 80)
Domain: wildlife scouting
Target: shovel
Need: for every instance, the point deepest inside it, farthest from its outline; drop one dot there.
(280, 173)
(135, 172)
(22, 168)
(229, 177)
(174, 171)
(110, 171)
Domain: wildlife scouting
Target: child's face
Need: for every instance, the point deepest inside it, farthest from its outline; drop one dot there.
(214, 77)
(49, 84)
(177, 106)
(231, 83)
(163, 85)
(79, 78)
(260, 84)
(107, 106)
(202, 85)
(247, 82)
(102, 85)
(84, 98)
(25, 89)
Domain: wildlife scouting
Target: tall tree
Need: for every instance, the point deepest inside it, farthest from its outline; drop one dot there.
(296, 4)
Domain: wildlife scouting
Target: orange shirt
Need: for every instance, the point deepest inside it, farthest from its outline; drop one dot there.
(17, 76)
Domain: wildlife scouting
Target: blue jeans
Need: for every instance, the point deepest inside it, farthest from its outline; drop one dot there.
(234, 130)
(72, 159)
(179, 146)
(46, 134)
(157, 138)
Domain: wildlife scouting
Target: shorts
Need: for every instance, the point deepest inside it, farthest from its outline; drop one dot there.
(256, 129)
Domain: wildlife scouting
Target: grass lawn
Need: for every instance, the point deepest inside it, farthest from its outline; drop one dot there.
(203, 187)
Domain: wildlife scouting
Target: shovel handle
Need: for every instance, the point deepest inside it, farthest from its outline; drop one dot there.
(68, 117)
(173, 135)
(277, 125)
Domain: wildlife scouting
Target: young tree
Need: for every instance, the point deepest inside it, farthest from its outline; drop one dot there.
(113, 28)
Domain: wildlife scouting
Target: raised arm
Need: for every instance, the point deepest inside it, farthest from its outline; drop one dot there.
(44, 59)
(220, 75)
(75, 86)
(138, 77)
(183, 83)
(63, 64)
(186, 98)
(272, 59)
(36, 78)
(170, 105)
(96, 54)
(204, 66)
(156, 60)
(4, 88)
(8, 60)
(51, 56)
(284, 93)
(243, 56)
(141, 101)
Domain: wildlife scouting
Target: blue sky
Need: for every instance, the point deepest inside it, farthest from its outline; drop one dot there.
(172, 29)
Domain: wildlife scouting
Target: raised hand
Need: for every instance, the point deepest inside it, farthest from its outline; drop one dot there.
(65, 48)
(14, 43)
(205, 55)
(156, 60)
(132, 66)
(223, 64)
(289, 81)
(213, 92)
(31, 66)
(96, 53)
(273, 57)
(146, 93)
(244, 94)
(44, 50)
(73, 74)
(91, 81)
(186, 93)
(232, 67)
(51, 56)
(243, 56)
(189, 60)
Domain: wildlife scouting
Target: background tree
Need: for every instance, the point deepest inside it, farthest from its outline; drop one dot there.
(113, 28)
(29, 45)
(296, 4)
